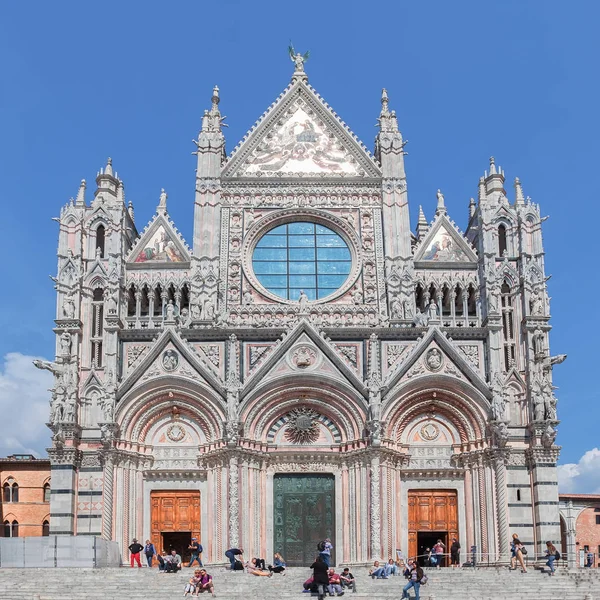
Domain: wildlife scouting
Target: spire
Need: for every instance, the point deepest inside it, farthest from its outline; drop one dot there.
(162, 203)
(106, 181)
(481, 192)
(108, 170)
(387, 119)
(519, 197)
(80, 200)
(120, 193)
(472, 207)
(422, 226)
(130, 210)
(492, 165)
(441, 207)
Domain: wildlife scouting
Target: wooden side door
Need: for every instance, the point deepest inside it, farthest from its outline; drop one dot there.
(431, 510)
(177, 511)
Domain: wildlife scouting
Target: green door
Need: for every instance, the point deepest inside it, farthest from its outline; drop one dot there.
(304, 515)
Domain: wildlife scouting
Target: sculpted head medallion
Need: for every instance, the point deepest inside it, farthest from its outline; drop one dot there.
(303, 357)
(434, 359)
(170, 360)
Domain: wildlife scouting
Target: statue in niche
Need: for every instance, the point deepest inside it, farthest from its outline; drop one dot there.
(209, 309)
(433, 311)
(184, 317)
(397, 307)
(498, 399)
(65, 344)
(196, 311)
(500, 434)
(539, 405)
(170, 311)
(548, 436)
(408, 310)
(550, 402)
(112, 300)
(536, 304)
(68, 306)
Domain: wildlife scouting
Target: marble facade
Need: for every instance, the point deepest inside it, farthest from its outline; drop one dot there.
(427, 368)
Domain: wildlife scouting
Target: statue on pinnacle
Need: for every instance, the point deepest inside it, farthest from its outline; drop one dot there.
(297, 58)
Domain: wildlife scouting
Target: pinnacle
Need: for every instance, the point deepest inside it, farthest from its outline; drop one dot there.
(80, 201)
(519, 197)
(108, 170)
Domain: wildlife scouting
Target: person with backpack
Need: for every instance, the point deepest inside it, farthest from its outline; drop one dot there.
(552, 554)
(517, 549)
(417, 578)
(324, 547)
(231, 555)
(196, 548)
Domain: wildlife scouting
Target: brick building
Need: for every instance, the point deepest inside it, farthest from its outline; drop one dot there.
(580, 525)
(25, 498)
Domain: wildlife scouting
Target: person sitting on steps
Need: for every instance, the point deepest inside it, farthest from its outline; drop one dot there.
(347, 580)
(377, 572)
(205, 584)
(278, 565)
(335, 586)
(173, 562)
(191, 585)
(253, 569)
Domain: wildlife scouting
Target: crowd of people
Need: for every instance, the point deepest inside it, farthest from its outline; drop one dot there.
(324, 580)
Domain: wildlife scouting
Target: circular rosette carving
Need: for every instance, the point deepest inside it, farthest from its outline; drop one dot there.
(434, 360)
(302, 426)
(176, 432)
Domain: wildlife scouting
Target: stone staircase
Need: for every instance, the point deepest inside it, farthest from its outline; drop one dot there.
(147, 584)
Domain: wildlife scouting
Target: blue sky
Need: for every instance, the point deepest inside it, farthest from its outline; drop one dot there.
(82, 81)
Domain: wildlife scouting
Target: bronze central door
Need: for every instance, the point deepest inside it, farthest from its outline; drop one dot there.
(304, 514)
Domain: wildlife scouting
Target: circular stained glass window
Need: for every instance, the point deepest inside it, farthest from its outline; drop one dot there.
(301, 256)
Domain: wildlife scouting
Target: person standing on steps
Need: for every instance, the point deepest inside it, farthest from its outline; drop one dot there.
(551, 554)
(325, 547)
(196, 549)
(231, 555)
(455, 553)
(416, 574)
(135, 548)
(149, 552)
(320, 576)
(516, 551)
(438, 552)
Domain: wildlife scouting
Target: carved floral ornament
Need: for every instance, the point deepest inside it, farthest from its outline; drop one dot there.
(176, 432)
(429, 432)
(302, 426)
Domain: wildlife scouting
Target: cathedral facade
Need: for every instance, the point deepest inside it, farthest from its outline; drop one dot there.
(308, 366)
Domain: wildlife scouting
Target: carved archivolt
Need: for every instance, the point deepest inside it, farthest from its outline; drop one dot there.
(268, 409)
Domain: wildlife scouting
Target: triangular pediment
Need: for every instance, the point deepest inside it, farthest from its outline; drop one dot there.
(171, 356)
(304, 352)
(159, 244)
(300, 136)
(435, 354)
(444, 244)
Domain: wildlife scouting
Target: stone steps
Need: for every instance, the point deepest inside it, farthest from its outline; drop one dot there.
(148, 584)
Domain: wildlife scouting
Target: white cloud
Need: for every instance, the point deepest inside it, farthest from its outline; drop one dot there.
(582, 477)
(24, 406)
